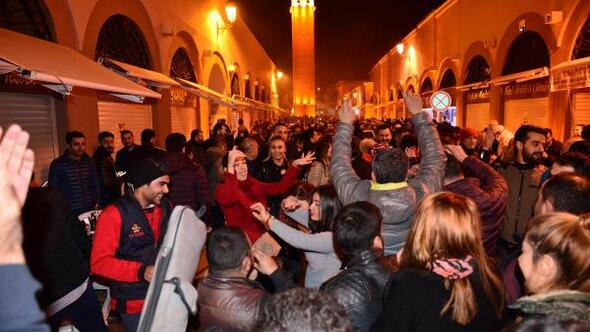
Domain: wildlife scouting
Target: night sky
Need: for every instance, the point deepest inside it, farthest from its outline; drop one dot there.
(351, 36)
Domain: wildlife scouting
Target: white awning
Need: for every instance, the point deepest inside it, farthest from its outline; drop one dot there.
(209, 94)
(252, 102)
(522, 76)
(61, 66)
(139, 74)
(477, 85)
(574, 74)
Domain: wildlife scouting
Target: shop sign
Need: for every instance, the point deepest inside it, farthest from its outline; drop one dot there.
(478, 96)
(525, 90)
(574, 77)
(13, 82)
(180, 97)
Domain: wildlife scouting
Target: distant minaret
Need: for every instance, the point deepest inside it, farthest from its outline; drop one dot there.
(302, 23)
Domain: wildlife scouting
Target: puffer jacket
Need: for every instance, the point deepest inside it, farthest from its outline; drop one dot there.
(524, 181)
(564, 305)
(77, 181)
(397, 201)
(489, 191)
(188, 181)
(360, 288)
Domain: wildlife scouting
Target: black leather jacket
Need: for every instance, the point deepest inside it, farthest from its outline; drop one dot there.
(360, 288)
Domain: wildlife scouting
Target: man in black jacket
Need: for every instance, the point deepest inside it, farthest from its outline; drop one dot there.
(229, 298)
(360, 287)
(110, 187)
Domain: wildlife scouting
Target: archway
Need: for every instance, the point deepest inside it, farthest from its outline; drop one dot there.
(28, 17)
(527, 101)
(121, 39)
(183, 105)
(528, 51)
(217, 83)
(448, 79)
(477, 101)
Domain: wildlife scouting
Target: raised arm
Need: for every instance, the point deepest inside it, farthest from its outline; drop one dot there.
(349, 186)
(317, 242)
(430, 176)
(320, 242)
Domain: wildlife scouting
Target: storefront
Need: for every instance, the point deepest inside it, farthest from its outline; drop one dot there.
(526, 103)
(574, 76)
(183, 111)
(477, 109)
(33, 85)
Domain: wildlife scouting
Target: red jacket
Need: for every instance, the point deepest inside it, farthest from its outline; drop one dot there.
(106, 242)
(235, 198)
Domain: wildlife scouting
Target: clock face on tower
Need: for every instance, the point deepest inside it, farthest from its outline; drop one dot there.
(303, 42)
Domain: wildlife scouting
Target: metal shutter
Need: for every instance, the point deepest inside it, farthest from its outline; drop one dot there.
(581, 113)
(183, 120)
(35, 114)
(115, 117)
(477, 116)
(529, 111)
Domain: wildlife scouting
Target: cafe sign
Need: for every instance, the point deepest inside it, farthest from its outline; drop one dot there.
(478, 96)
(571, 75)
(525, 90)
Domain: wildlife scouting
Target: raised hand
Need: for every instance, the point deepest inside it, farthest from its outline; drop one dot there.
(16, 168)
(231, 159)
(291, 203)
(413, 102)
(346, 113)
(259, 212)
(17, 160)
(264, 263)
(457, 151)
(305, 159)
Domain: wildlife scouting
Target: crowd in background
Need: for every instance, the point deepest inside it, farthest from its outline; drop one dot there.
(405, 224)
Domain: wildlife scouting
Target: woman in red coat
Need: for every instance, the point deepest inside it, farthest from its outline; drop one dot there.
(239, 191)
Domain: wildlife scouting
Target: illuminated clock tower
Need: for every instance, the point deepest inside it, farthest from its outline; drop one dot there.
(302, 24)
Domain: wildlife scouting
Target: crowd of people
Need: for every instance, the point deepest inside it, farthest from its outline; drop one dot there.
(372, 225)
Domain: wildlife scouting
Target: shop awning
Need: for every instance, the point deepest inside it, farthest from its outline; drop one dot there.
(472, 86)
(209, 94)
(62, 67)
(252, 102)
(138, 74)
(573, 74)
(522, 76)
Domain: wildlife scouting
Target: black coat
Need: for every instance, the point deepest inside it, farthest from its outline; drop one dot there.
(360, 288)
(416, 298)
(55, 244)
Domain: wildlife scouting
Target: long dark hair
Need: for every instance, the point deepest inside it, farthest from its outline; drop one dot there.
(321, 151)
(330, 206)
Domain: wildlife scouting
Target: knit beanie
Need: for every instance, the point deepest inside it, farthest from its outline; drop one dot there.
(145, 171)
(468, 132)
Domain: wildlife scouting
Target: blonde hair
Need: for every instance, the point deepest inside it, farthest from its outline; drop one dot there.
(448, 225)
(566, 238)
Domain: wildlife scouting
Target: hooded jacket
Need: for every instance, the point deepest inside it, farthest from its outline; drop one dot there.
(188, 181)
(397, 201)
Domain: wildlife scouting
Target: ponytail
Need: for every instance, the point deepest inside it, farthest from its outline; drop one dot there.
(462, 302)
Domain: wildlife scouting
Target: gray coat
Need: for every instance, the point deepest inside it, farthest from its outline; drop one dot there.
(397, 201)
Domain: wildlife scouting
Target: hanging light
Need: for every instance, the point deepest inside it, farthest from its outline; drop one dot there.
(399, 48)
(231, 12)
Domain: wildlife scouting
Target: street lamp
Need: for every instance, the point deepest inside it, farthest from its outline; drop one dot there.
(279, 75)
(399, 48)
(231, 13)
